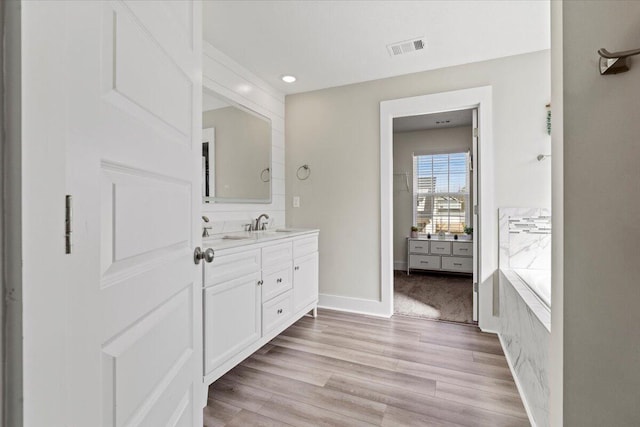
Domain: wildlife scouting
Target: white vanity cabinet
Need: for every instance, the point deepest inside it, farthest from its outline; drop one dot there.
(253, 290)
(440, 255)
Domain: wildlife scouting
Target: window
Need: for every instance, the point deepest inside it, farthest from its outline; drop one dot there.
(441, 192)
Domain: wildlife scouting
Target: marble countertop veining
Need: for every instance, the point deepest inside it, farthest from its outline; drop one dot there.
(246, 238)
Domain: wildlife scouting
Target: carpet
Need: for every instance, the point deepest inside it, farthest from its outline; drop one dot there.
(433, 296)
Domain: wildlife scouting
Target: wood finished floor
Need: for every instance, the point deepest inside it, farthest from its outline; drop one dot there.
(352, 370)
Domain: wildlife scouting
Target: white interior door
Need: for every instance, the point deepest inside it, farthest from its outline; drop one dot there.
(134, 158)
(476, 209)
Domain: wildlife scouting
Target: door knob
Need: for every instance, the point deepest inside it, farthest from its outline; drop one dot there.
(206, 255)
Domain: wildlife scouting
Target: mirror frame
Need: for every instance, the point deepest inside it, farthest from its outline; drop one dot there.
(222, 200)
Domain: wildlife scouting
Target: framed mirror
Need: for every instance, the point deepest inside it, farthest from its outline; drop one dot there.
(236, 152)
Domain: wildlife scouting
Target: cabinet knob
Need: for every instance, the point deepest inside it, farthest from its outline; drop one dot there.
(260, 282)
(279, 311)
(296, 267)
(279, 280)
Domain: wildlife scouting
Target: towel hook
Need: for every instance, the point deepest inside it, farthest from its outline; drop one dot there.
(615, 62)
(306, 174)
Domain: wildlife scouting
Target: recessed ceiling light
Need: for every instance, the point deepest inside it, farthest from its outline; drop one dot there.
(288, 79)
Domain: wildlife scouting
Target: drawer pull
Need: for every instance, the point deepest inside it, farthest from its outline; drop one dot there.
(260, 282)
(279, 280)
(458, 264)
(279, 311)
(296, 267)
(419, 247)
(439, 248)
(463, 249)
(424, 262)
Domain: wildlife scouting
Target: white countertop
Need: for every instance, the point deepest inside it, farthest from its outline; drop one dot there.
(437, 239)
(245, 238)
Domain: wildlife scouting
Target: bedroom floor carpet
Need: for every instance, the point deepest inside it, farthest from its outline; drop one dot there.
(433, 296)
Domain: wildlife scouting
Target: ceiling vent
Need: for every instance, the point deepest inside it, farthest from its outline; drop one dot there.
(406, 46)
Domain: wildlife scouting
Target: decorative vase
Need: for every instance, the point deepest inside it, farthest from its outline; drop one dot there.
(414, 234)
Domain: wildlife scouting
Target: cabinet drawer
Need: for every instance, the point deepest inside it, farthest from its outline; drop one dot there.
(463, 248)
(419, 246)
(424, 261)
(276, 280)
(229, 267)
(457, 264)
(440, 248)
(304, 246)
(277, 254)
(275, 312)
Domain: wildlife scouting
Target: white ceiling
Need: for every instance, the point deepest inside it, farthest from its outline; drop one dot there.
(449, 119)
(333, 43)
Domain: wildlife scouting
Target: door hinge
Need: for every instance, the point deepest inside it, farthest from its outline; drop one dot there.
(68, 223)
(475, 132)
(475, 287)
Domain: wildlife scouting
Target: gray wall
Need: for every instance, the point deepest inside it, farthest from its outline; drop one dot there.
(12, 378)
(404, 145)
(601, 218)
(337, 132)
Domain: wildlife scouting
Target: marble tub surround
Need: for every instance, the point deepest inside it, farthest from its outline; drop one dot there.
(525, 238)
(525, 336)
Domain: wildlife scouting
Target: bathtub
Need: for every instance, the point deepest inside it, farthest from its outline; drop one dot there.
(539, 281)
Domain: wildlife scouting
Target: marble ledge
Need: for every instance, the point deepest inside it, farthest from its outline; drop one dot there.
(537, 307)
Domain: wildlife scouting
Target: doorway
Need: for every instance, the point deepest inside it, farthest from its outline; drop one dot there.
(484, 243)
(433, 215)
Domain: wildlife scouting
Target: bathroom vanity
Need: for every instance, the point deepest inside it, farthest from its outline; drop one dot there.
(258, 284)
(439, 254)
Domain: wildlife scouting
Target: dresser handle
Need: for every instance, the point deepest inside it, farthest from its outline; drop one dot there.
(296, 268)
(458, 264)
(279, 281)
(418, 247)
(424, 262)
(260, 282)
(279, 311)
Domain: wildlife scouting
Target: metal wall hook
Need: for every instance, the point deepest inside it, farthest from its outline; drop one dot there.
(615, 62)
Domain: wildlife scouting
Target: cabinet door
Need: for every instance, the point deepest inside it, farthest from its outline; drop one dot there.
(232, 316)
(305, 281)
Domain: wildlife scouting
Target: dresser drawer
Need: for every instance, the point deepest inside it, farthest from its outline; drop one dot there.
(276, 280)
(275, 312)
(228, 267)
(440, 248)
(277, 254)
(424, 261)
(453, 263)
(305, 246)
(463, 248)
(419, 246)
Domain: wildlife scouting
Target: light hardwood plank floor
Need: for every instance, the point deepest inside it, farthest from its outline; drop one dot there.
(345, 369)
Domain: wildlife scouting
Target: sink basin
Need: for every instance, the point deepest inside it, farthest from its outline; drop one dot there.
(236, 237)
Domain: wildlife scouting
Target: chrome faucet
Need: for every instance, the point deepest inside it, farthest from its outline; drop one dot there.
(257, 225)
(205, 229)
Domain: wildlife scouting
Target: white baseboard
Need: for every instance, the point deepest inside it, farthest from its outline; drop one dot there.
(354, 305)
(400, 265)
(518, 386)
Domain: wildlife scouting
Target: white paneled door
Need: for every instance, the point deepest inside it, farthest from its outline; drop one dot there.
(134, 347)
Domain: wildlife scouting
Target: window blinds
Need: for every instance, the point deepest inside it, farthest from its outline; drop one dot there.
(441, 192)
